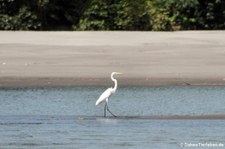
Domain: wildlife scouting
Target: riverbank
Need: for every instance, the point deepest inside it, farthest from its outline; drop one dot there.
(57, 59)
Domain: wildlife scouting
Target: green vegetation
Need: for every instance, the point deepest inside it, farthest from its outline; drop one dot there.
(156, 15)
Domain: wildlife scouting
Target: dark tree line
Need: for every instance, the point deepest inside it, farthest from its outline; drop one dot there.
(154, 15)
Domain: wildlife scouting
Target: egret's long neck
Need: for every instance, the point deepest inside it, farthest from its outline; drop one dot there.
(115, 83)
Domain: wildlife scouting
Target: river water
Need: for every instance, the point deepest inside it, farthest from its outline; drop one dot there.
(68, 118)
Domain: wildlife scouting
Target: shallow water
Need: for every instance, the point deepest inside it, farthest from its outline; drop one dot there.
(67, 118)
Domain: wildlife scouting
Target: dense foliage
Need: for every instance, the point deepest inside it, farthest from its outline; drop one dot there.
(112, 14)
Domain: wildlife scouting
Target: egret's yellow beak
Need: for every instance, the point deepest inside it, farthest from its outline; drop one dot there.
(119, 73)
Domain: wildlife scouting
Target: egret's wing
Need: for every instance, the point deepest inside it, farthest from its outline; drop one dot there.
(104, 96)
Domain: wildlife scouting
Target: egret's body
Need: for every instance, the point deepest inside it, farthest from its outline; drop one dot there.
(107, 93)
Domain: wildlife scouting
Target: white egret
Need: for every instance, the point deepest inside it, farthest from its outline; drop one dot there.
(107, 93)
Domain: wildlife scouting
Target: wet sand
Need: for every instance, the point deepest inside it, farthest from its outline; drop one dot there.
(159, 117)
(40, 59)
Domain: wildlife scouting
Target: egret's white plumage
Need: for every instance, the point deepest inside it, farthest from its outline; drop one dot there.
(107, 93)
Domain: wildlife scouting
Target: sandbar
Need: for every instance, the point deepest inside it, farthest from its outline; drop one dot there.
(67, 59)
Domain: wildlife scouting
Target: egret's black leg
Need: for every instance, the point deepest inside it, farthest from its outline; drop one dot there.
(109, 110)
(105, 110)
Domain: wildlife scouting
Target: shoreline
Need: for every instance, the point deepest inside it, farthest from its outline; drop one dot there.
(26, 82)
(67, 59)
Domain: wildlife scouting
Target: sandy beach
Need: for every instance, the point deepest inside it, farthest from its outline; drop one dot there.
(40, 59)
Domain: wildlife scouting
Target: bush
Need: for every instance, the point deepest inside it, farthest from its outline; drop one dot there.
(115, 15)
(24, 20)
(196, 14)
(211, 14)
(159, 20)
(156, 15)
(182, 13)
(61, 14)
(13, 16)
(40, 14)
